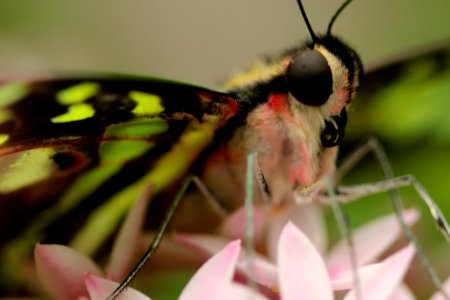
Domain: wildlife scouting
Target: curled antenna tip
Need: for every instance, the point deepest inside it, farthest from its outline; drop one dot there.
(336, 14)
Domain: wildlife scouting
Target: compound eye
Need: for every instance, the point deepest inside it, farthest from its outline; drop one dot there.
(309, 78)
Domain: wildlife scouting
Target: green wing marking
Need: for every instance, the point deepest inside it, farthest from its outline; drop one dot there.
(95, 161)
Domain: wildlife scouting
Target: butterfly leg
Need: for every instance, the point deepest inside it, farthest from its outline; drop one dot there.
(343, 194)
(350, 193)
(215, 203)
(343, 222)
(156, 240)
(390, 184)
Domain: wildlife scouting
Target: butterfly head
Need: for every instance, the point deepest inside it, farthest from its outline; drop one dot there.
(325, 74)
(320, 78)
(297, 111)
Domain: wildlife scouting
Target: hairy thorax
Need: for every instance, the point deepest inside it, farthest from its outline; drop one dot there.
(285, 135)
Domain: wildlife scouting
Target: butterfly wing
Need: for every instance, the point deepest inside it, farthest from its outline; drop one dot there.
(71, 144)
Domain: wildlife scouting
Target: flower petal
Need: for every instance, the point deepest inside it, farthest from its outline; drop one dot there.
(370, 241)
(234, 226)
(302, 272)
(383, 283)
(100, 289)
(215, 276)
(445, 287)
(205, 244)
(262, 271)
(307, 217)
(61, 271)
(127, 241)
(402, 293)
(344, 281)
(241, 292)
(170, 254)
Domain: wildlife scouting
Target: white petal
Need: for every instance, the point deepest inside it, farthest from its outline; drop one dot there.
(307, 217)
(214, 277)
(124, 249)
(100, 289)
(370, 242)
(204, 244)
(263, 271)
(302, 271)
(61, 270)
(446, 288)
(402, 293)
(234, 226)
(344, 281)
(382, 284)
(241, 292)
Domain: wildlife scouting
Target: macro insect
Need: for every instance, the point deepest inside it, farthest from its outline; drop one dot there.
(70, 145)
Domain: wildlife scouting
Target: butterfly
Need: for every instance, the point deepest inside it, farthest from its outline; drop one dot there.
(89, 144)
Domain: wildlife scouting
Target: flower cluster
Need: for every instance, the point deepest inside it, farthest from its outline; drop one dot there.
(294, 263)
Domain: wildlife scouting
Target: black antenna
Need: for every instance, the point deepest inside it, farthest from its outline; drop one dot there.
(311, 32)
(336, 14)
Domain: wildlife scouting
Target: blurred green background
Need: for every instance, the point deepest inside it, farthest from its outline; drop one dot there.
(202, 42)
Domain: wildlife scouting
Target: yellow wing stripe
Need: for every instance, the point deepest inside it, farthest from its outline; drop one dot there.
(12, 92)
(146, 104)
(259, 72)
(3, 138)
(170, 168)
(76, 112)
(77, 93)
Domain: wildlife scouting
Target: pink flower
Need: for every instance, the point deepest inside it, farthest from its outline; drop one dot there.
(67, 274)
(301, 269)
(445, 287)
(301, 274)
(370, 242)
